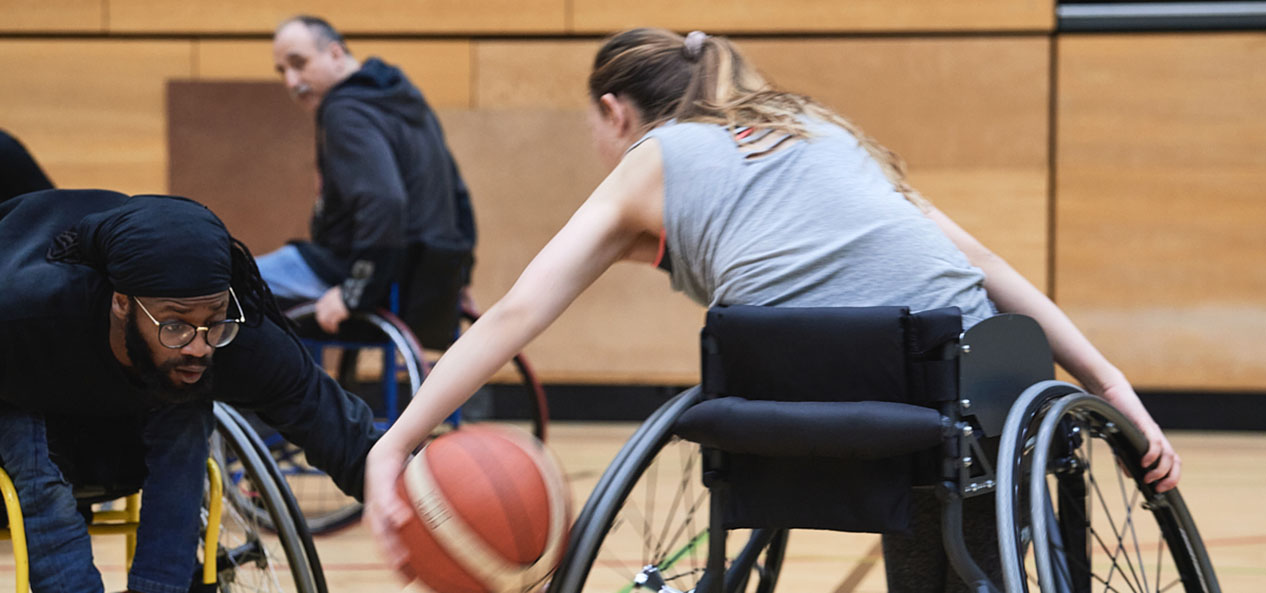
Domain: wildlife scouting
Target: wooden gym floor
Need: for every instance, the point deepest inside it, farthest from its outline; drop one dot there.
(1224, 485)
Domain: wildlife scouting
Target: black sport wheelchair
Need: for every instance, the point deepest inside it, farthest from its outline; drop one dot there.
(830, 418)
(237, 553)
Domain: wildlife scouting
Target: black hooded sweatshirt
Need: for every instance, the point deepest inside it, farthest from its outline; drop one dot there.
(389, 185)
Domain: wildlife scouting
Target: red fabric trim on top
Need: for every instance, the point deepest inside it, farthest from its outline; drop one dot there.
(743, 133)
(663, 242)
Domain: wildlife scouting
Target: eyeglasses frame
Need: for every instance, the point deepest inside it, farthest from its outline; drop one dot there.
(196, 328)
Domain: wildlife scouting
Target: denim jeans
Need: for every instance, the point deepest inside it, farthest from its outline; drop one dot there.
(288, 275)
(176, 440)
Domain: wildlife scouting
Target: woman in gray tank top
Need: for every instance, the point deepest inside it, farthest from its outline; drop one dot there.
(747, 195)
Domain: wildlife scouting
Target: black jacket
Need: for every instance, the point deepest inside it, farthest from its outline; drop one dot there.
(19, 173)
(55, 356)
(389, 184)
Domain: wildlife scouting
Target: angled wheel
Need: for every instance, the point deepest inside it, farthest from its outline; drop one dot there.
(251, 556)
(1079, 517)
(324, 506)
(1015, 533)
(646, 522)
(1096, 525)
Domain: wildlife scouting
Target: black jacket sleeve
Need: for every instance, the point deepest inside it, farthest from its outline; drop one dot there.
(360, 165)
(267, 371)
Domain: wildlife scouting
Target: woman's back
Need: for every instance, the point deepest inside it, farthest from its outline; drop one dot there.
(804, 222)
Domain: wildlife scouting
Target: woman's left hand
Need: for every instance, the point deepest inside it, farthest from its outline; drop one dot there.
(1164, 463)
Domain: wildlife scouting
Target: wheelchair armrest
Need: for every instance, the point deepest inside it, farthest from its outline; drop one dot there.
(847, 430)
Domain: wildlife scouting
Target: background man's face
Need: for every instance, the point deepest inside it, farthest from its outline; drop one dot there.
(307, 69)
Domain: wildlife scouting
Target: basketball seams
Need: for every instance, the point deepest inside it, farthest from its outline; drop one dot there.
(457, 537)
(452, 533)
(514, 510)
(426, 552)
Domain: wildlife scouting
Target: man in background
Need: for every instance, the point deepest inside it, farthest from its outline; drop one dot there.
(390, 192)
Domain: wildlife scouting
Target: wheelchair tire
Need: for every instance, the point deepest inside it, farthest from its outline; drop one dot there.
(1089, 521)
(1014, 454)
(325, 508)
(650, 510)
(252, 556)
(225, 413)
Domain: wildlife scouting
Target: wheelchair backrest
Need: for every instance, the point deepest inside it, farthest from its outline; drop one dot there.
(831, 353)
(431, 282)
(840, 354)
(827, 355)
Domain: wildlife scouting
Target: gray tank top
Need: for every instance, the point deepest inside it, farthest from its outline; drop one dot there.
(815, 223)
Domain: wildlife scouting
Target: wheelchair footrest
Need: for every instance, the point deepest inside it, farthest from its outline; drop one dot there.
(846, 430)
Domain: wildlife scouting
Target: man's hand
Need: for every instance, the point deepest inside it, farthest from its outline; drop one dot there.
(330, 310)
(385, 513)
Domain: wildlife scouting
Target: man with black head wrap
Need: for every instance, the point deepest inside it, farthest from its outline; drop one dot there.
(135, 313)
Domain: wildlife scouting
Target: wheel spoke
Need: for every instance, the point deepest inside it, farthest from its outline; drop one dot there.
(1127, 526)
(685, 528)
(649, 552)
(682, 491)
(1113, 555)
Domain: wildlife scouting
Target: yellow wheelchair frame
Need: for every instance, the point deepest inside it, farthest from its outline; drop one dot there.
(123, 522)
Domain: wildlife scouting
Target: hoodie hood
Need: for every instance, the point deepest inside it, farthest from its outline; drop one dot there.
(382, 85)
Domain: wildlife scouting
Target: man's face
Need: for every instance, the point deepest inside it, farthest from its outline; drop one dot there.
(174, 374)
(308, 70)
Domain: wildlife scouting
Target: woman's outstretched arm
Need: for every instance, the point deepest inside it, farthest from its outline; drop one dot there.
(1012, 293)
(602, 231)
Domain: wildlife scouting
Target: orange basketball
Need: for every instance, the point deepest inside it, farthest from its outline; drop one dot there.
(492, 511)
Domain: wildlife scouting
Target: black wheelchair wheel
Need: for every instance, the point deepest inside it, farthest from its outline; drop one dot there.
(1095, 525)
(326, 508)
(646, 522)
(252, 556)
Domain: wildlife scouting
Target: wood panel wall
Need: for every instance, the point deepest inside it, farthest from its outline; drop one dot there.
(535, 17)
(1161, 254)
(1158, 149)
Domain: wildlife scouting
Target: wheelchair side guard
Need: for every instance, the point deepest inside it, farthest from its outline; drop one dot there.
(999, 358)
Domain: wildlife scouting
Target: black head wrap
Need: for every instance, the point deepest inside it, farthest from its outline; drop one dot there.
(158, 246)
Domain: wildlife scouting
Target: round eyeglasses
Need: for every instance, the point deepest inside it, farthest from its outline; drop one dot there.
(178, 334)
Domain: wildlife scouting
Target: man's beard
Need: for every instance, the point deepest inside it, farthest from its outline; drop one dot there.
(156, 382)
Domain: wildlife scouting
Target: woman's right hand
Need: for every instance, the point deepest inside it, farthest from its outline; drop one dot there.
(385, 513)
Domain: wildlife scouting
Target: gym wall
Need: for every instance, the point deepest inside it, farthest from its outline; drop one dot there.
(1117, 171)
